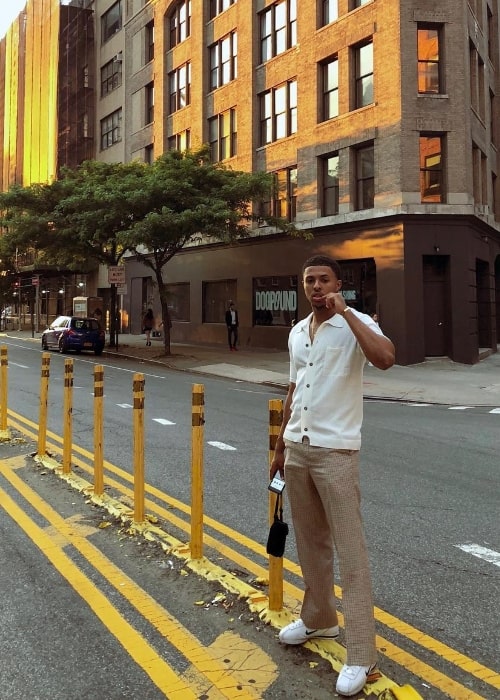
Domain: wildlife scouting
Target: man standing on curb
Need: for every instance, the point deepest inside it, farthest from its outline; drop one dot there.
(318, 453)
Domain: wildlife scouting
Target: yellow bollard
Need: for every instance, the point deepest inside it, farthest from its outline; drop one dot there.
(98, 430)
(138, 439)
(67, 415)
(197, 431)
(275, 563)
(44, 392)
(4, 362)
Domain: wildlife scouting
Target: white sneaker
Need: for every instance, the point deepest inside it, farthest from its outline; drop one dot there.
(352, 679)
(297, 633)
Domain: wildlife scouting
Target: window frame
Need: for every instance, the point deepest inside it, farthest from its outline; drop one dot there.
(287, 28)
(175, 141)
(360, 77)
(428, 172)
(179, 27)
(327, 92)
(329, 12)
(223, 68)
(429, 62)
(114, 128)
(149, 39)
(269, 121)
(219, 136)
(175, 91)
(109, 29)
(361, 180)
(113, 79)
(326, 188)
(149, 103)
(284, 200)
(217, 7)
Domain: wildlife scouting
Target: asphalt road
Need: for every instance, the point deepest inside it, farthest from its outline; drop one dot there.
(430, 486)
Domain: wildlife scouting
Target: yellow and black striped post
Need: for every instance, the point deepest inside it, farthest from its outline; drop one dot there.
(4, 363)
(67, 415)
(44, 392)
(138, 449)
(275, 563)
(98, 430)
(197, 432)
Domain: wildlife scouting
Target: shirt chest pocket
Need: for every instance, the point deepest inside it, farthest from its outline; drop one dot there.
(333, 362)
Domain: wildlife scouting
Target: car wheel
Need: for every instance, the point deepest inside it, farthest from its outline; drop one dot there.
(62, 346)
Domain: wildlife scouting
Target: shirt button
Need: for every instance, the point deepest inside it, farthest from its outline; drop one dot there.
(307, 345)
(310, 364)
(307, 386)
(305, 408)
(306, 429)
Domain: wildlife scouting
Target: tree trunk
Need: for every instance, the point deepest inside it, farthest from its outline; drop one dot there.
(113, 339)
(165, 314)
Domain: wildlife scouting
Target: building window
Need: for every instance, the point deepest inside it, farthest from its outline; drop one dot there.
(278, 112)
(179, 82)
(150, 41)
(330, 82)
(86, 77)
(111, 21)
(275, 300)
(429, 73)
(180, 141)
(278, 29)
(149, 94)
(216, 297)
(330, 183)
(284, 201)
(111, 129)
(111, 75)
(363, 60)
(358, 3)
(365, 177)
(222, 135)
(431, 168)
(85, 126)
(218, 6)
(179, 301)
(329, 11)
(149, 155)
(223, 61)
(179, 22)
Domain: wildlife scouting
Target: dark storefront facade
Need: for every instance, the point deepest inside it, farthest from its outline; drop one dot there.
(434, 285)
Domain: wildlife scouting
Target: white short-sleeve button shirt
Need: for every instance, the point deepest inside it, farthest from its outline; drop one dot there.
(327, 404)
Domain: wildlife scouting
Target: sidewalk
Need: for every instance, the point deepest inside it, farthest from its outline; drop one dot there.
(436, 381)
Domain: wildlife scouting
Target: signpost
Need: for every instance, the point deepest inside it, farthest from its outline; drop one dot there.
(116, 277)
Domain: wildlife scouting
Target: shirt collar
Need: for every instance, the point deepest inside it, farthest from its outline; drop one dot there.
(336, 321)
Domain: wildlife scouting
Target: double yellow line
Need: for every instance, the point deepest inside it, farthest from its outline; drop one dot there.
(208, 668)
(408, 661)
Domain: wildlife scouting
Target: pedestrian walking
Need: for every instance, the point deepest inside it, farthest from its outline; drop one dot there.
(147, 325)
(317, 452)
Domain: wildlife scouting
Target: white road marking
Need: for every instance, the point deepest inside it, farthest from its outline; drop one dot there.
(495, 410)
(163, 421)
(124, 405)
(92, 394)
(221, 445)
(459, 408)
(418, 404)
(476, 550)
(18, 365)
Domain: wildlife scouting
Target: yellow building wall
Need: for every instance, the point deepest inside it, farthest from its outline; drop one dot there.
(11, 172)
(40, 91)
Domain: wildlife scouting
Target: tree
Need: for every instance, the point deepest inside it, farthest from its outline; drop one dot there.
(192, 198)
(78, 220)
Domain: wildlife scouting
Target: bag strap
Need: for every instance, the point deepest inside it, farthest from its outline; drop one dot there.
(278, 505)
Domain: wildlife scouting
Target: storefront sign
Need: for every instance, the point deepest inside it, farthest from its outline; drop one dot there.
(275, 301)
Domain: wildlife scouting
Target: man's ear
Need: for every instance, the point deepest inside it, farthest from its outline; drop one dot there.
(339, 285)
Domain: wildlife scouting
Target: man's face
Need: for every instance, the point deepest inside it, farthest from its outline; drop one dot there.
(318, 281)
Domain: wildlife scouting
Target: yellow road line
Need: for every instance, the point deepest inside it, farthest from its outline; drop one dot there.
(143, 654)
(188, 645)
(393, 652)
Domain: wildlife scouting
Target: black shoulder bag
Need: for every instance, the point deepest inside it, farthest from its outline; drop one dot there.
(278, 530)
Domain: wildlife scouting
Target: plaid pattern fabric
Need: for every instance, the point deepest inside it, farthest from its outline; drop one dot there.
(324, 494)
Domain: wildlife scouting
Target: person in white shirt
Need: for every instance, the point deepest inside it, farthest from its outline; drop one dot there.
(317, 452)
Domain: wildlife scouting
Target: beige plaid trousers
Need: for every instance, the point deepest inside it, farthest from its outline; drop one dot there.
(324, 494)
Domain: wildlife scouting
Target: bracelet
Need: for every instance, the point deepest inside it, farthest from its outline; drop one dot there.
(347, 308)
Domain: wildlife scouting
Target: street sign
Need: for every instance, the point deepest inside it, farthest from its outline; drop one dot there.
(121, 289)
(116, 274)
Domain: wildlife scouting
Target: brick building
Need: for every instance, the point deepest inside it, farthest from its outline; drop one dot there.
(379, 119)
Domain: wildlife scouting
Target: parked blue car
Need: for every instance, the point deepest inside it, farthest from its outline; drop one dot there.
(73, 333)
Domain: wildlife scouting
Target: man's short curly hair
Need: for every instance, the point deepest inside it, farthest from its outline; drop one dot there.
(323, 261)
